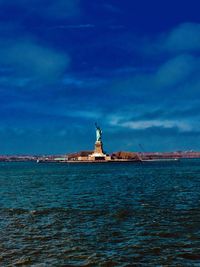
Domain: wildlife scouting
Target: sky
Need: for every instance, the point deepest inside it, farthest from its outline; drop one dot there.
(131, 66)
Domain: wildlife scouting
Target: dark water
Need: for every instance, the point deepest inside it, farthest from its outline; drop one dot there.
(100, 214)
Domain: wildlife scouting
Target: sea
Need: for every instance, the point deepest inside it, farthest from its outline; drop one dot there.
(100, 214)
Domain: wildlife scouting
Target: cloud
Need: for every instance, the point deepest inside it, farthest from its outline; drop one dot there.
(74, 26)
(140, 125)
(182, 39)
(185, 37)
(30, 59)
(62, 9)
(83, 82)
(112, 8)
(121, 121)
(8, 81)
(176, 70)
(177, 74)
(55, 10)
(84, 113)
(162, 112)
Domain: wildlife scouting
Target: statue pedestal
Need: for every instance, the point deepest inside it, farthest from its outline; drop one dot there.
(98, 147)
(98, 153)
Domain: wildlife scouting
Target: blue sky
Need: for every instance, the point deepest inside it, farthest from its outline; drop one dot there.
(132, 66)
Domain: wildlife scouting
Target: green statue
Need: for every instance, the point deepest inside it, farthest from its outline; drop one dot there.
(98, 132)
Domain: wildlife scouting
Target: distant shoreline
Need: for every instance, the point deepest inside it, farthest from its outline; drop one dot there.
(115, 157)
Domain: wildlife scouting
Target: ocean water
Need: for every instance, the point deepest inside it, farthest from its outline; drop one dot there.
(126, 214)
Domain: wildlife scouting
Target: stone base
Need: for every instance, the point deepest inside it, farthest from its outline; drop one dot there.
(96, 157)
(98, 148)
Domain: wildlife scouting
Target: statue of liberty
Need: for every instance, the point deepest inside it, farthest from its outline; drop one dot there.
(98, 133)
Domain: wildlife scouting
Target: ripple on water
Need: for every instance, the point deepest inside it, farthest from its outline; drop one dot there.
(100, 215)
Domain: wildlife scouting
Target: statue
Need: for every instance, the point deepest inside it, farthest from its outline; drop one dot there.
(98, 133)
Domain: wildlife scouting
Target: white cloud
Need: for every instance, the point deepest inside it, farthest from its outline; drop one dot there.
(145, 124)
(185, 37)
(30, 59)
(181, 71)
(74, 26)
(176, 70)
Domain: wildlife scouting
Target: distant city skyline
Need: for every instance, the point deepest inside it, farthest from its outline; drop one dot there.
(131, 66)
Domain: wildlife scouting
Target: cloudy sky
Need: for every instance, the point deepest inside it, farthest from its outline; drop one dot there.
(131, 66)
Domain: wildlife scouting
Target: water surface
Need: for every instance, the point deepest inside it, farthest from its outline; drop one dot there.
(126, 214)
